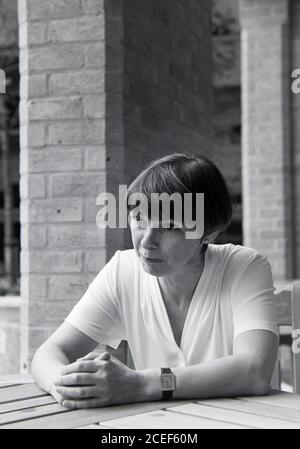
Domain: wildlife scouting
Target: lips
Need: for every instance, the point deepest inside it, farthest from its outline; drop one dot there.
(151, 259)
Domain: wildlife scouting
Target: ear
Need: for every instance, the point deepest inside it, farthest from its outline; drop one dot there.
(210, 237)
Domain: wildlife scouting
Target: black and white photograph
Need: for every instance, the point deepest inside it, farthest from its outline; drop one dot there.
(149, 217)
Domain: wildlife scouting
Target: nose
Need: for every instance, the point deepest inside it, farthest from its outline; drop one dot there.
(150, 238)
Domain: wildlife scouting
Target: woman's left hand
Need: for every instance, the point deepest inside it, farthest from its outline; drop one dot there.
(96, 381)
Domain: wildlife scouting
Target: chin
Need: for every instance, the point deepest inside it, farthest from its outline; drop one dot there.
(152, 269)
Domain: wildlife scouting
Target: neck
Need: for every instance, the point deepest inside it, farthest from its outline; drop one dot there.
(181, 286)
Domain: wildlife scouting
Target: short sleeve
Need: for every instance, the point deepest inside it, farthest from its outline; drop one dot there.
(252, 296)
(97, 313)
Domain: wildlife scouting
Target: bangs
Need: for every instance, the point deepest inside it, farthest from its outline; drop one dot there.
(180, 173)
(159, 180)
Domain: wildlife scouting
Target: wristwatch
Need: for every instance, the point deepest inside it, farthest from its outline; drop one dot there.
(168, 384)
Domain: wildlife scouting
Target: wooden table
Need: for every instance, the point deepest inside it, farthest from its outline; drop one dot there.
(23, 405)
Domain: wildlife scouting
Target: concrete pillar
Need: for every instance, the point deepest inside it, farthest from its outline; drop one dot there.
(266, 148)
(295, 127)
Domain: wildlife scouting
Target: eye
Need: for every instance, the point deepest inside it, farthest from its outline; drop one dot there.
(140, 220)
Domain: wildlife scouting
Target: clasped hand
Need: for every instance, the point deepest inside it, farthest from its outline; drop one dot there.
(95, 381)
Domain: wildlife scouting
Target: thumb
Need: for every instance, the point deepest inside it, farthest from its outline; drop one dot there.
(104, 356)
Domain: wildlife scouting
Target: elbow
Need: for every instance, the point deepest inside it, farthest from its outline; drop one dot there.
(261, 388)
(260, 382)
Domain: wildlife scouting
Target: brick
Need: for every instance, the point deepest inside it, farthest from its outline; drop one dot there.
(94, 55)
(94, 158)
(54, 109)
(33, 236)
(94, 106)
(53, 57)
(77, 132)
(91, 209)
(33, 186)
(54, 210)
(33, 287)
(77, 29)
(59, 9)
(31, 34)
(49, 314)
(33, 86)
(77, 83)
(95, 260)
(93, 7)
(62, 287)
(37, 337)
(75, 236)
(76, 185)
(52, 160)
(32, 135)
(43, 262)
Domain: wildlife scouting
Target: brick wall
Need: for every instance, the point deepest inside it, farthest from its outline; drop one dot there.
(62, 160)
(105, 86)
(266, 157)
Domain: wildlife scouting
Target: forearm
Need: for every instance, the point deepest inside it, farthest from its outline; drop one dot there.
(228, 376)
(46, 365)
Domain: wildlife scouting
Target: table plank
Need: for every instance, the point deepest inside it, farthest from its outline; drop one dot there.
(277, 398)
(165, 419)
(94, 426)
(260, 409)
(18, 392)
(26, 403)
(79, 418)
(32, 412)
(234, 417)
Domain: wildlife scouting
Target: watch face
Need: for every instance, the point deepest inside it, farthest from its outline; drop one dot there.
(167, 381)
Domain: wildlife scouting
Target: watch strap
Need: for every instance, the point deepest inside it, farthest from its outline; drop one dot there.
(167, 394)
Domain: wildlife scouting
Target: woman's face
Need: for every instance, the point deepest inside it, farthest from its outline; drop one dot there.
(163, 251)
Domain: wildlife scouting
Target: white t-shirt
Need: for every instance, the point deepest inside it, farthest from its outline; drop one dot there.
(234, 294)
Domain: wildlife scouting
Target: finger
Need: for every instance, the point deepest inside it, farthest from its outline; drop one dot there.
(77, 392)
(76, 379)
(89, 356)
(85, 366)
(57, 396)
(85, 403)
(117, 361)
(95, 355)
(104, 356)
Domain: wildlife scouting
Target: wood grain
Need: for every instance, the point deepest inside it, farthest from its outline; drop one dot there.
(235, 417)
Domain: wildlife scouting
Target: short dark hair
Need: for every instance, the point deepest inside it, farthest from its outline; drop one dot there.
(183, 173)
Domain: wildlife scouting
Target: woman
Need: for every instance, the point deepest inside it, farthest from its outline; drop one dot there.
(198, 317)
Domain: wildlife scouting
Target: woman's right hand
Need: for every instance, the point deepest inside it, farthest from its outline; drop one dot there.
(57, 396)
(91, 356)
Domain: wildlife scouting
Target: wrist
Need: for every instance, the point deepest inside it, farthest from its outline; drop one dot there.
(149, 385)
